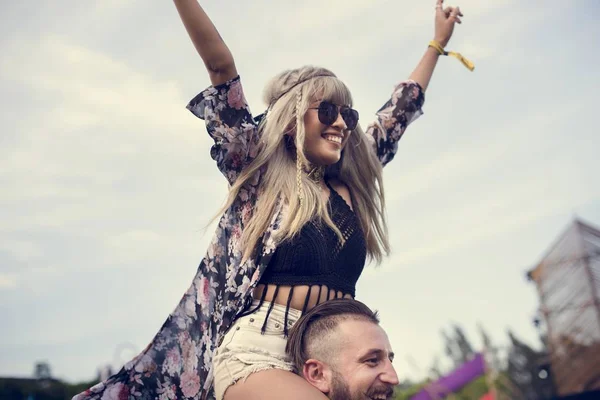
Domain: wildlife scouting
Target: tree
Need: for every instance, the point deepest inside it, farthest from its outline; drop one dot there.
(490, 351)
(435, 371)
(42, 370)
(457, 346)
(523, 371)
(464, 345)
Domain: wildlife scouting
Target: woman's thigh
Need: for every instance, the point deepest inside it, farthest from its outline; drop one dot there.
(273, 384)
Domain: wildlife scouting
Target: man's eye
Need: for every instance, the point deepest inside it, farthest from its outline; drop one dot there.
(372, 361)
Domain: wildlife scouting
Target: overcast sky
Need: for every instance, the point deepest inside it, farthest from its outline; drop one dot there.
(107, 184)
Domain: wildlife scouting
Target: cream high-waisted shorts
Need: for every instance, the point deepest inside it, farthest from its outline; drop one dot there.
(245, 350)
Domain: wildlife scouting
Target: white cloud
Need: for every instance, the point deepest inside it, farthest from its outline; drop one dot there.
(7, 281)
(90, 87)
(21, 250)
(99, 123)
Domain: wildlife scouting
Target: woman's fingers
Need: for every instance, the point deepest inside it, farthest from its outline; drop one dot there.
(454, 13)
(439, 9)
(445, 18)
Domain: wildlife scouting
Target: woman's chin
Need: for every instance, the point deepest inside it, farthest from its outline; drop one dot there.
(324, 153)
(325, 159)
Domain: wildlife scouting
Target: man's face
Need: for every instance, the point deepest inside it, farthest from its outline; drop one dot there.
(362, 369)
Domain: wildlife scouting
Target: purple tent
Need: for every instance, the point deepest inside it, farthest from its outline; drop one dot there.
(454, 380)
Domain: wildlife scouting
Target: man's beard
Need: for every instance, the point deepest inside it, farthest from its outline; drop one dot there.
(341, 391)
(339, 388)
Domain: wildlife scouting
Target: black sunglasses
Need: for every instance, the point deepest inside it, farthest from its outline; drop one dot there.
(328, 114)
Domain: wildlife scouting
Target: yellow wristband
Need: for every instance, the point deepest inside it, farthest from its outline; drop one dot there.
(437, 46)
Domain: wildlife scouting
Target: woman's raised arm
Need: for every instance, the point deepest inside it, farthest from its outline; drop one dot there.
(407, 99)
(445, 18)
(207, 41)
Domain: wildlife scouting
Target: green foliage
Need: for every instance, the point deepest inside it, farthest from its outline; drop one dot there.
(39, 389)
(474, 390)
(405, 393)
(77, 388)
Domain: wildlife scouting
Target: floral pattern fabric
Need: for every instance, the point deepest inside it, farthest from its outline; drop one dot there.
(177, 364)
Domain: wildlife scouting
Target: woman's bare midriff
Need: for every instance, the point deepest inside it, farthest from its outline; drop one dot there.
(299, 295)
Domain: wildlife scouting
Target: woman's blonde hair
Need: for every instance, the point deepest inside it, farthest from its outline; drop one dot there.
(288, 96)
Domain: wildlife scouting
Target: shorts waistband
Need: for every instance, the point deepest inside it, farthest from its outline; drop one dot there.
(276, 309)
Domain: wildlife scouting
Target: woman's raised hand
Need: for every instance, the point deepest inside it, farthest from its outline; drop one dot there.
(207, 41)
(445, 18)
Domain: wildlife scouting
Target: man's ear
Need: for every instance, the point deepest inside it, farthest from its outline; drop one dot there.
(317, 374)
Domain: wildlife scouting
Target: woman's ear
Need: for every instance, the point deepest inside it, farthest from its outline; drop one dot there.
(290, 129)
(317, 374)
(289, 142)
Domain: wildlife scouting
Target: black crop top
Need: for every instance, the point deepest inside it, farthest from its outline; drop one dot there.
(316, 257)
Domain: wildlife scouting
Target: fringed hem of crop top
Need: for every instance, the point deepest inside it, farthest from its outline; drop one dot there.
(317, 257)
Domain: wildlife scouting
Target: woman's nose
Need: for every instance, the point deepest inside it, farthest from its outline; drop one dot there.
(340, 123)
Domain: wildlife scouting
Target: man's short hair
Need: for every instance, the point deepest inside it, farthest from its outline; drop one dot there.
(312, 329)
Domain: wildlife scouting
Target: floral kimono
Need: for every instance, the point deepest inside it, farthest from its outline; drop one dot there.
(177, 364)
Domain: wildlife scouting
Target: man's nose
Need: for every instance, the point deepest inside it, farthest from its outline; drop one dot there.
(389, 375)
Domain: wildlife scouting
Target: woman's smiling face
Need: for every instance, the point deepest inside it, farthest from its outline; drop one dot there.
(323, 144)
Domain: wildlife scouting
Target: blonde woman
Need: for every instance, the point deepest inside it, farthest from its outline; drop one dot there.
(305, 210)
